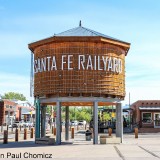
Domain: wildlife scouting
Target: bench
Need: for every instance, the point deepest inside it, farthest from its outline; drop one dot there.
(104, 139)
(45, 140)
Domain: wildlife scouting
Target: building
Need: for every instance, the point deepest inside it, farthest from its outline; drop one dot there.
(8, 112)
(25, 111)
(13, 110)
(146, 114)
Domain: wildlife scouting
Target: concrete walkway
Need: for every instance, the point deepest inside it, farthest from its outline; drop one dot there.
(146, 147)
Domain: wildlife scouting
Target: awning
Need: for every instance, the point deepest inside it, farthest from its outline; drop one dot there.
(31, 112)
(127, 109)
(149, 108)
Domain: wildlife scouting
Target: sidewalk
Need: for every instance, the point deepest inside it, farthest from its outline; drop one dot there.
(146, 147)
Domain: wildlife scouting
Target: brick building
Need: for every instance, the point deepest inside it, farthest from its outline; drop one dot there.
(8, 111)
(146, 114)
(24, 110)
(11, 111)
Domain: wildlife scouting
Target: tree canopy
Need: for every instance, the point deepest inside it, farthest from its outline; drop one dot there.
(14, 95)
(80, 113)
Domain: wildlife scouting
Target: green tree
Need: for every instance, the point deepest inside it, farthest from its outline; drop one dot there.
(14, 95)
(80, 113)
(106, 116)
(72, 113)
(88, 117)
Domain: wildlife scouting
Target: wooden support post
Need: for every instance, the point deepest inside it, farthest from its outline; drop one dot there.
(85, 126)
(12, 129)
(77, 127)
(92, 133)
(20, 127)
(72, 133)
(32, 132)
(16, 135)
(25, 133)
(5, 137)
(2, 128)
(136, 132)
(110, 131)
(54, 131)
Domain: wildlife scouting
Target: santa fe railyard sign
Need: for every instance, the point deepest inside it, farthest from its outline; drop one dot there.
(82, 62)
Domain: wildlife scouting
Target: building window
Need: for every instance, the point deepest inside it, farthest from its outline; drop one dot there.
(7, 106)
(147, 117)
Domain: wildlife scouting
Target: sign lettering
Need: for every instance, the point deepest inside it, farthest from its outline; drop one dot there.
(84, 62)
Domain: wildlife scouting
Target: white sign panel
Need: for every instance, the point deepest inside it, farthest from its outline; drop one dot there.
(84, 62)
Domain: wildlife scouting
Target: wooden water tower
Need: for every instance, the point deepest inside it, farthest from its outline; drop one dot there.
(78, 67)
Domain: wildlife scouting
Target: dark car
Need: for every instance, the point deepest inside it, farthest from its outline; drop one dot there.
(15, 125)
(80, 123)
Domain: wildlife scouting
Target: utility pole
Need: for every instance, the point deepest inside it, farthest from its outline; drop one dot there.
(129, 100)
(130, 111)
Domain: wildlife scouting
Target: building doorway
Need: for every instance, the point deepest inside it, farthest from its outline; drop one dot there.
(156, 120)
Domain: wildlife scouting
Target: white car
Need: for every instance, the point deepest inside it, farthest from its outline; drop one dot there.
(82, 122)
(74, 123)
(22, 124)
(28, 124)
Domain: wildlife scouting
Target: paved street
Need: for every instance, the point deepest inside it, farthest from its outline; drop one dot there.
(146, 147)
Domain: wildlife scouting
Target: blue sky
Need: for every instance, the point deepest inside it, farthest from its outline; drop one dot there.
(137, 22)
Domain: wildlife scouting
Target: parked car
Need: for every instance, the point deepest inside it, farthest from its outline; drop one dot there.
(14, 125)
(63, 123)
(74, 123)
(21, 124)
(82, 122)
(28, 124)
